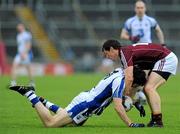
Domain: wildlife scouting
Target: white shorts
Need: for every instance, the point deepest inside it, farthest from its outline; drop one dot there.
(19, 60)
(78, 108)
(167, 64)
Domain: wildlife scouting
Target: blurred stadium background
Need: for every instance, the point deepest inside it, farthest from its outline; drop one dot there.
(68, 34)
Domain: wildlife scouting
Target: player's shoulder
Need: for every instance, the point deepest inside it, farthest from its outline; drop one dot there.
(27, 34)
(131, 19)
(150, 18)
(119, 73)
(119, 70)
(119, 77)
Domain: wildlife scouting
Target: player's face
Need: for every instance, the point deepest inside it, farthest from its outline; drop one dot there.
(112, 54)
(140, 9)
(20, 28)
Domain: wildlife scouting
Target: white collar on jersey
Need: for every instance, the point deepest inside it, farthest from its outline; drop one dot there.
(143, 17)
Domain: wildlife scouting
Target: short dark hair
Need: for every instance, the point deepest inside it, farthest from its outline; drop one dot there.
(111, 43)
(139, 76)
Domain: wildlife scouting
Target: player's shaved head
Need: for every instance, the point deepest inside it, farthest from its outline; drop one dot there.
(140, 8)
(20, 27)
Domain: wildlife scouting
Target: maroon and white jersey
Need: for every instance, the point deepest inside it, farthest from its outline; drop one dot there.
(142, 54)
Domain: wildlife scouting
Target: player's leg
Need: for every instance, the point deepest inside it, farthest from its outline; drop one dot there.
(13, 74)
(27, 63)
(15, 66)
(49, 105)
(60, 119)
(77, 109)
(30, 74)
(153, 83)
(140, 97)
(161, 72)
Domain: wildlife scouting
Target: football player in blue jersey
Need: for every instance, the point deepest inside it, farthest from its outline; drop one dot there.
(138, 29)
(24, 54)
(88, 103)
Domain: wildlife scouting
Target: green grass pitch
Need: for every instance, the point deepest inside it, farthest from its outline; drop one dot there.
(17, 115)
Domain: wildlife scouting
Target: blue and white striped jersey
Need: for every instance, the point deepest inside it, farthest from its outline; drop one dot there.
(141, 27)
(111, 86)
(98, 98)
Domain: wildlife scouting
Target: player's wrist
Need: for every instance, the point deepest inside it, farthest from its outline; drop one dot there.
(134, 39)
(129, 124)
(130, 38)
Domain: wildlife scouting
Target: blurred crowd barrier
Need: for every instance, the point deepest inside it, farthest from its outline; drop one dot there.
(43, 69)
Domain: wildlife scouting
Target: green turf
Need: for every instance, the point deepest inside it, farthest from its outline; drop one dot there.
(17, 115)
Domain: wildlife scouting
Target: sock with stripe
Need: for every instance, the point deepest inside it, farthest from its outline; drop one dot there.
(51, 106)
(32, 97)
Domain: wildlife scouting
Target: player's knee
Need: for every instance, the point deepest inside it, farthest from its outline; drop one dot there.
(50, 124)
(53, 123)
(149, 89)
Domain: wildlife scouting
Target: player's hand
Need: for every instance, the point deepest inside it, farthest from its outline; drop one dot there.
(136, 125)
(141, 109)
(134, 39)
(142, 112)
(23, 56)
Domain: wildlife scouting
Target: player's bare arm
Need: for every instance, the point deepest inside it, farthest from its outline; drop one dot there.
(159, 34)
(121, 111)
(124, 34)
(128, 79)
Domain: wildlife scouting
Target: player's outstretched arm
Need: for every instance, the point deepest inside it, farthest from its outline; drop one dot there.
(122, 113)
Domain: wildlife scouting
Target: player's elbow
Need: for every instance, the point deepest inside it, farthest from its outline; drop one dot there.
(124, 35)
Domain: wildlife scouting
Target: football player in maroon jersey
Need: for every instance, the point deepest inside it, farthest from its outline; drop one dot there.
(155, 57)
